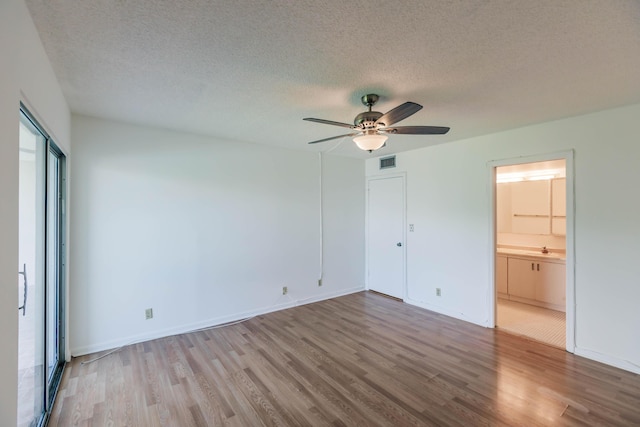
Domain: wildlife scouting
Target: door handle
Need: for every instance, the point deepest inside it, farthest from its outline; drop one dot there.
(23, 307)
(399, 244)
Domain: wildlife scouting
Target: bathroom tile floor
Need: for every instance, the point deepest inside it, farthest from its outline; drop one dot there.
(537, 323)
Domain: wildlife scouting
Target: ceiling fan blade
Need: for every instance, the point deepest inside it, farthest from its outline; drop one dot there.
(417, 130)
(333, 137)
(329, 122)
(401, 112)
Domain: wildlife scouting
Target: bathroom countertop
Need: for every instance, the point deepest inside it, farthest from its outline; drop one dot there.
(533, 253)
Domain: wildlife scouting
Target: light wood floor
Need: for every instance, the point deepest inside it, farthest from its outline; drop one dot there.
(358, 360)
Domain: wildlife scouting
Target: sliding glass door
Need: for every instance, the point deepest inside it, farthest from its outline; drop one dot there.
(54, 261)
(40, 271)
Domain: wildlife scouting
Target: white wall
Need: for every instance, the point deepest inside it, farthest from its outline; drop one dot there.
(201, 230)
(343, 219)
(448, 201)
(26, 76)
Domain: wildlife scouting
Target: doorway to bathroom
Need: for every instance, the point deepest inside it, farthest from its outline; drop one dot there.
(530, 256)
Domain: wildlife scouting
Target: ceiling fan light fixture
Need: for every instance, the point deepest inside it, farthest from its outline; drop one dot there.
(370, 142)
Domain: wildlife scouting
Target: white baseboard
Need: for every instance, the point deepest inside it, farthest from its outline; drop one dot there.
(134, 339)
(589, 354)
(608, 360)
(450, 313)
(329, 295)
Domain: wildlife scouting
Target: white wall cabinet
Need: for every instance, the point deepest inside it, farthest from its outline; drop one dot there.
(501, 275)
(533, 281)
(550, 283)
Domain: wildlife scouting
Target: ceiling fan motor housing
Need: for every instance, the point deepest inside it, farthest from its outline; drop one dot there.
(367, 119)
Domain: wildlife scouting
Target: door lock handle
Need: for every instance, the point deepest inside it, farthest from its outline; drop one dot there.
(399, 244)
(23, 307)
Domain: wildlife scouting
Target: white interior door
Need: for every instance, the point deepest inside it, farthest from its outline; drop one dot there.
(385, 236)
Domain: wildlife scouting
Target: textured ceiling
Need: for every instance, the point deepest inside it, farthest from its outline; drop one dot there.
(250, 70)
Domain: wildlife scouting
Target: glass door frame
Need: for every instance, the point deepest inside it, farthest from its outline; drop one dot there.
(52, 377)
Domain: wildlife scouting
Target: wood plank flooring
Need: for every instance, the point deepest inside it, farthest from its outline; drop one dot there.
(357, 360)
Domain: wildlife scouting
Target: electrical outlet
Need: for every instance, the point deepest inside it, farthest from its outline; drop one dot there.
(148, 313)
(411, 229)
(319, 282)
(285, 290)
(438, 292)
